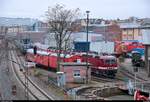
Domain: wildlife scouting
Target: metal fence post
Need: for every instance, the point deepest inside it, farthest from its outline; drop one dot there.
(142, 87)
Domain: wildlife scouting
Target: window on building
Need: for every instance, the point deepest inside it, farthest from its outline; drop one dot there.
(76, 73)
(139, 32)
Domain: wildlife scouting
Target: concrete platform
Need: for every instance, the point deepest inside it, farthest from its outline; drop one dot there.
(121, 97)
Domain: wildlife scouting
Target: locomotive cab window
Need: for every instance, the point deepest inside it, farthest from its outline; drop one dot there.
(111, 61)
(97, 57)
(76, 73)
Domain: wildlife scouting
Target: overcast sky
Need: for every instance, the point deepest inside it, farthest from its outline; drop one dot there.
(107, 9)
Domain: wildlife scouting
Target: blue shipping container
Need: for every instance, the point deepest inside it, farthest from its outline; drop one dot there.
(82, 46)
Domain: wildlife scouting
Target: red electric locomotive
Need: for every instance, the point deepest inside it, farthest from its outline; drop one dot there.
(101, 65)
(139, 95)
(49, 58)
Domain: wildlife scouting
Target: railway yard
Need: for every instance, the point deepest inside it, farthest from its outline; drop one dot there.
(64, 50)
(33, 86)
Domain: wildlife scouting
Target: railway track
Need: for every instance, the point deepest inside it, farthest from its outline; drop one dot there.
(95, 93)
(130, 75)
(104, 79)
(87, 93)
(33, 89)
(123, 72)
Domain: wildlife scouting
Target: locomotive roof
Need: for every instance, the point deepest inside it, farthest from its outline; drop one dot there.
(108, 57)
(40, 52)
(75, 64)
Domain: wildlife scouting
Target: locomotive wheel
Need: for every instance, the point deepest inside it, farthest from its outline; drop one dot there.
(142, 64)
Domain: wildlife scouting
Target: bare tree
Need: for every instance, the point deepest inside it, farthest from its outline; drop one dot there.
(60, 22)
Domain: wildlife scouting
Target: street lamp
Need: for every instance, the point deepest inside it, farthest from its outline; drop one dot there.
(87, 31)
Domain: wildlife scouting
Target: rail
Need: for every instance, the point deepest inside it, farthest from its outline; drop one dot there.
(130, 75)
(31, 83)
(104, 79)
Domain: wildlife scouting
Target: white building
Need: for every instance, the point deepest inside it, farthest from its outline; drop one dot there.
(49, 39)
(102, 47)
(97, 42)
(82, 36)
(146, 42)
(146, 36)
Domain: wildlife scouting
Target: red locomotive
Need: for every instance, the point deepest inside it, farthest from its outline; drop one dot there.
(138, 95)
(101, 65)
(125, 47)
(49, 58)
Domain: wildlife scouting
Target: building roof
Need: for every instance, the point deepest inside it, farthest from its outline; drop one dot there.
(90, 33)
(129, 25)
(4, 21)
(145, 26)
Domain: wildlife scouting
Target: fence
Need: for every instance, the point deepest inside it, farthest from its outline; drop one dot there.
(54, 84)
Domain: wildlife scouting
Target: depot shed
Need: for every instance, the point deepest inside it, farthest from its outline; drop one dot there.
(146, 42)
(76, 72)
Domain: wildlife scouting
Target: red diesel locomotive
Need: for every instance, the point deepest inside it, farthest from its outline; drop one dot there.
(101, 65)
(125, 47)
(139, 95)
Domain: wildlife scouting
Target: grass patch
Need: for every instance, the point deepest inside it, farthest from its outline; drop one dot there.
(37, 73)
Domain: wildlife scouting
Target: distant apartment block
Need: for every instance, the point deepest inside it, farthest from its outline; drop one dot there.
(112, 30)
(2, 30)
(41, 26)
(131, 31)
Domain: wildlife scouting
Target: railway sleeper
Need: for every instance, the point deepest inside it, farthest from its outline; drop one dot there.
(109, 74)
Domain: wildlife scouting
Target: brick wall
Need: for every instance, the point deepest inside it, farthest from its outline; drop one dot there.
(69, 70)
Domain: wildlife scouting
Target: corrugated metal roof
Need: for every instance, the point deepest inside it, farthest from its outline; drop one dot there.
(90, 33)
(145, 26)
(129, 25)
(16, 21)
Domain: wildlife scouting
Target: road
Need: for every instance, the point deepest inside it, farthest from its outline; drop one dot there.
(7, 79)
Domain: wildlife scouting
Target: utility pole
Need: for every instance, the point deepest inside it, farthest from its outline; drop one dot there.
(87, 31)
(105, 32)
